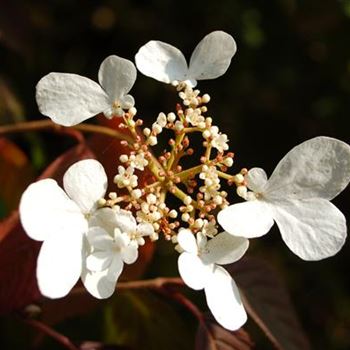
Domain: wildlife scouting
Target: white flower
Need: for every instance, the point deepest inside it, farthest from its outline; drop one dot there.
(217, 139)
(138, 161)
(210, 59)
(111, 248)
(199, 270)
(60, 219)
(297, 197)
(68, 99)
(125, 177)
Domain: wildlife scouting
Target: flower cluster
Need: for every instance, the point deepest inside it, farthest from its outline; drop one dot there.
(90, 234)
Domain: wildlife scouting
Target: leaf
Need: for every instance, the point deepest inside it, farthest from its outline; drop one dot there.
(268, 304)
(211, 336)
(142, 317)
(15, 173)
(18, 253)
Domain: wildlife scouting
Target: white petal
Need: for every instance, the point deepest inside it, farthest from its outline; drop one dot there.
(127, 101)
(126, 221)
(105, 218)
(161, 61)
(223, 299)
(117, 76)
(99, 238)
(187, 241)
(250, 219)
(225, 249)
(69, 99)
(116, 268)
(98, 284)
(46, 209)
(85, 182)
(256, 179)
(60, 263)
(212, 56)
(130, 254)
(145, 229)
(193, 271)
(98, 260)
(316, 168)
(313, 229)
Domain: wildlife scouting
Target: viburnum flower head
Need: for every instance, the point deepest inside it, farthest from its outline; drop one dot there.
(69, 99)
(210, 59)
(60, 218)
(297, 197)
(199, 268)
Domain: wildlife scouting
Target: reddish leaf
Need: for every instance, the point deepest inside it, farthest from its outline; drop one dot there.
(268, 304)
(211, 336)
(18, 253)
(15, 173)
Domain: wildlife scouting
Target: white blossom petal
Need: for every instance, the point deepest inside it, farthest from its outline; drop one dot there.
(69, 99)
(316, 168)
(224, 300)
(256, 179)
(46, 209)
(145, 229)
(97, 283)
(127, 101)
(59, 263)
(126, 221)
(130, 253)
(225, 249)
(313, 229)
(98, 260)
(117, 76)
(187, 241)
(99, 238)
(212, 56)
(161, 61)
(104, 218)
(85, 182)
(193, 271)
(250, 219)
(116, 268)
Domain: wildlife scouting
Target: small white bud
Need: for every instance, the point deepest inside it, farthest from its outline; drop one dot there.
(112, 195)
(146, 132)
(228, 161)
(136, 194)
(152, 140)
(161, 120)
(179, 125)
(185, 217)
(187, 200)
(205, 98)
(123, 158)
(242, 191)
(156, 128)
(239, 178)
(171, 117)
(132, 111)
(206, 134)
(173, 214)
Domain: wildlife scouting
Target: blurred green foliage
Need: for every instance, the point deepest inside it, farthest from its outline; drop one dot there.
(289, 81)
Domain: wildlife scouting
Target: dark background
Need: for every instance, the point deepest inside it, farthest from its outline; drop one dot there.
(288, 82)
